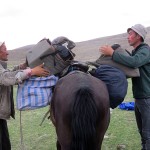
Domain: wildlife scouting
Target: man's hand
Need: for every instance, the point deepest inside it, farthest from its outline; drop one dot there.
(23, 66)
(106, 50)
(40, 71)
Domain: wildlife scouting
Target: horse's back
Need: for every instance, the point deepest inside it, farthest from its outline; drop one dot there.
(66, 90)
(76, 80)
(69, 84)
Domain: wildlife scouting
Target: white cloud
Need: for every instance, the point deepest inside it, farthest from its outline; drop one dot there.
(25, 22)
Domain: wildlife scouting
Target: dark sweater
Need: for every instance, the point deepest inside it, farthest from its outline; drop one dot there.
(140, 59)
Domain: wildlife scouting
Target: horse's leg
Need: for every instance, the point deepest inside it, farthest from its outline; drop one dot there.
(58, 145)
(104, 126)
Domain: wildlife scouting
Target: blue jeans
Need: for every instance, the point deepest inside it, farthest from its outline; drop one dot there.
(142, 114)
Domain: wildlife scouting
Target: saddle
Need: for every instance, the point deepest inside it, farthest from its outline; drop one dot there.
(56, 55)
(75, 66)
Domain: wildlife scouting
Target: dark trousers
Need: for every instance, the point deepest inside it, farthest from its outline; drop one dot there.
(142, 114)
(4, 136)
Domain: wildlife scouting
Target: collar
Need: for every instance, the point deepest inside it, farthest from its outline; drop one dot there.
(4, 64)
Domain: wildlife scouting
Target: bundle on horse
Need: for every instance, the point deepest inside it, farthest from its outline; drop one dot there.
(80, 112)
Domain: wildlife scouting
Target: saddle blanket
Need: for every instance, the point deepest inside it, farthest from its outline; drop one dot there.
(35, 92)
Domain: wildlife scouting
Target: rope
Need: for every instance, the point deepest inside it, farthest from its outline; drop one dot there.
(44, 117)
(21, 135)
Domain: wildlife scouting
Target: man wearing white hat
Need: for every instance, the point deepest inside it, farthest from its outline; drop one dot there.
(7, 79)
(140, 58)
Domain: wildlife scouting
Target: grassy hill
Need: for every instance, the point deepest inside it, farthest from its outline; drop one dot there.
(85, 50)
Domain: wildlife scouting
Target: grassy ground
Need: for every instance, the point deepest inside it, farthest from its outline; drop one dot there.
(122, 130)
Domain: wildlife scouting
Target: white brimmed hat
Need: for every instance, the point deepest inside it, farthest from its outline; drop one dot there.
(139, 29)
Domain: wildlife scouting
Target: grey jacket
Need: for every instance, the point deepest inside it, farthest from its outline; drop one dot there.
(7, 79)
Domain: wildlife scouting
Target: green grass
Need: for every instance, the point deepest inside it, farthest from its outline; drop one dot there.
(35, 137)
(122, 130)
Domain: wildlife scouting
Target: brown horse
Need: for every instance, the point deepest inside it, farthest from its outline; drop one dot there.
(80, 112)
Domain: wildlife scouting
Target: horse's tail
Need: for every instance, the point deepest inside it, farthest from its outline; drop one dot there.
(84, 117)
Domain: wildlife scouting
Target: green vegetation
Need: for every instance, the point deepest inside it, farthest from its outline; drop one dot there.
(122, 130)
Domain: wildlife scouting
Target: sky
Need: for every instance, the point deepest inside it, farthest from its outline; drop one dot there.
(25, 22)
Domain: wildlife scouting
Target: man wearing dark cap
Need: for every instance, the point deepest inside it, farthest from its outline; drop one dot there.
(140, 58)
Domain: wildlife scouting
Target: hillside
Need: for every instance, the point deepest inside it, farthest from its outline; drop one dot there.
(85, 50)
